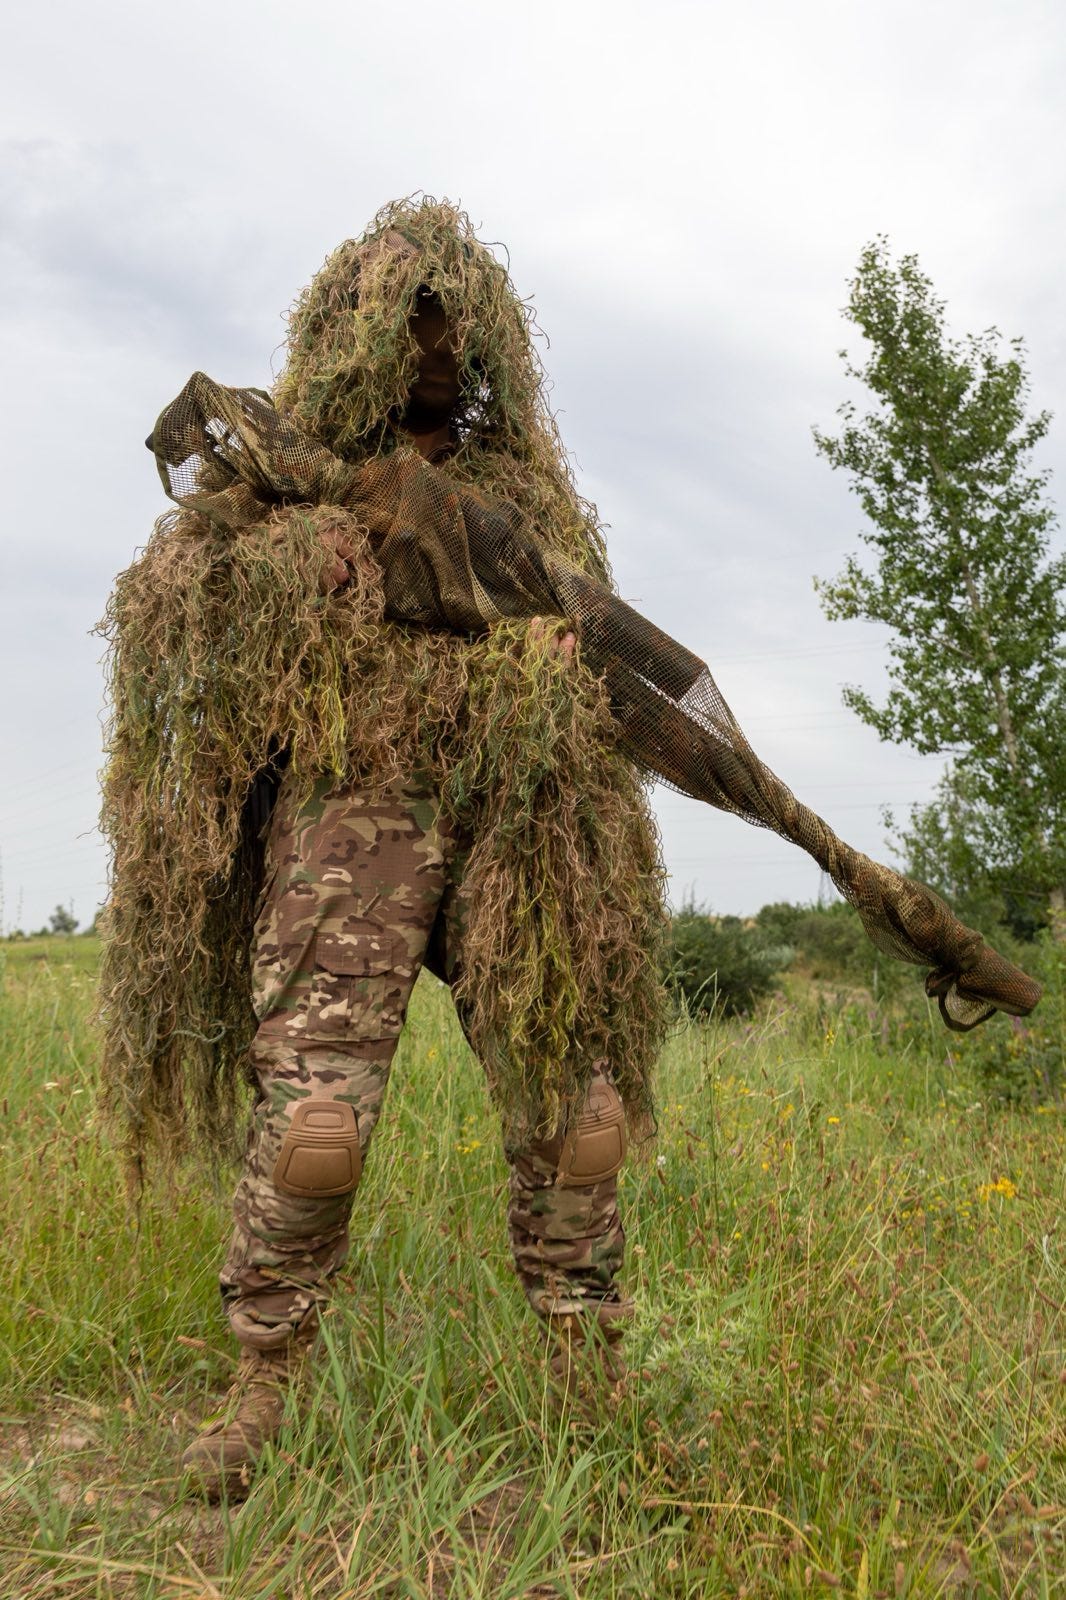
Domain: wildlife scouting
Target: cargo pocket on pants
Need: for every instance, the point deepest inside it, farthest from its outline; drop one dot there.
(359, 986)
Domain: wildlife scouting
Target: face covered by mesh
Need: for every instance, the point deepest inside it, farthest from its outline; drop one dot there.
(458, 558)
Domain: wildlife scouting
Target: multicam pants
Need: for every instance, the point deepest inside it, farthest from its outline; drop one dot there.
(361, 890)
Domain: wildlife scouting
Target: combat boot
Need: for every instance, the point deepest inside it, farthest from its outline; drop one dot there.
(222, 1460)
(585, 1359)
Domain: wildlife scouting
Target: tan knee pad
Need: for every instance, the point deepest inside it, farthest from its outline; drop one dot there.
(595, 1147)
(320, 1154)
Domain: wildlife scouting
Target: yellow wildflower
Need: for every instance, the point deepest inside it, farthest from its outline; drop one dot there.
(1001, 1186)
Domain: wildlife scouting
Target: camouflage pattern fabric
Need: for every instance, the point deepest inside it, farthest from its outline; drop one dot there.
(361, 889)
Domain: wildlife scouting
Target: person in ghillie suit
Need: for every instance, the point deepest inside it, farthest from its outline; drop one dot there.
(376, 797)
(382, 606)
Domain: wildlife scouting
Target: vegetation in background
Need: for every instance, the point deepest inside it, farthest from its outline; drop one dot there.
(959, 526)
(728, 965)
(62, 923)
(720, 964)
(1023, 1063)
(830, 945)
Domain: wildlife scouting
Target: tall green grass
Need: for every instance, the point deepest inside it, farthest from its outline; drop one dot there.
(849, 1361)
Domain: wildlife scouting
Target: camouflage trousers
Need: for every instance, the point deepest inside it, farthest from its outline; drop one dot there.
(360, 891)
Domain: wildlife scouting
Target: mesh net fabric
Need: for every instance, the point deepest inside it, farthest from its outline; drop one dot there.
(453, 558)
(228, 454)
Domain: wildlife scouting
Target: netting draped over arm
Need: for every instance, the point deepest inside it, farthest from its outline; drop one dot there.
(454, 559)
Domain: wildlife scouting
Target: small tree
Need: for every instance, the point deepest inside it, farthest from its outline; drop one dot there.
(959, 525)
(62, 920)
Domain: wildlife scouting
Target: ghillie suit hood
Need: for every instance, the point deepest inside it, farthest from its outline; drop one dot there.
(225, 652)
(560, 950)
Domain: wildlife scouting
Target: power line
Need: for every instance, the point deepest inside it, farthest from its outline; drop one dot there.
(41, 852)
(46, 780)
(76, 802)
(62, 829)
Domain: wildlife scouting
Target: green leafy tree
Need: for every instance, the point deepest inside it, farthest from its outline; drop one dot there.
(62, 921)
(955, 843)
(959, 525)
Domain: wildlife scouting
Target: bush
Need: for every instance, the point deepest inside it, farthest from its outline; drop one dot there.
(780, 920)
(720, 963)
(831, 944)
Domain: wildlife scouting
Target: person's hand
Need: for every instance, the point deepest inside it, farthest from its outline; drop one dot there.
(339, 547)
(563, 641)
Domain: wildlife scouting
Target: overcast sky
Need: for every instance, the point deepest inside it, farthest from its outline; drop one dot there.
(684, 190)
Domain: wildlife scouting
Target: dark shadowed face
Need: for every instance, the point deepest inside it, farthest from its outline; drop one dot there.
(435, 392)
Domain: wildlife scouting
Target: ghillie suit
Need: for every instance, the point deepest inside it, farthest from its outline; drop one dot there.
(226, 656)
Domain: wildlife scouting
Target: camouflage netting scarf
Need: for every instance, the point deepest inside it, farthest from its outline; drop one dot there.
(224, 654)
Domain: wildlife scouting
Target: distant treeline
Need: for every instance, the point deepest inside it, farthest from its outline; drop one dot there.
(61, 924)
(727, 963)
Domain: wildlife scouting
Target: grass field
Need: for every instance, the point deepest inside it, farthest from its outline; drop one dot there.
(849, 1361)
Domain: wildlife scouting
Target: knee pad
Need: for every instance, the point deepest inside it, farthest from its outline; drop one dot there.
(595, 1147)
(320, 1155)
